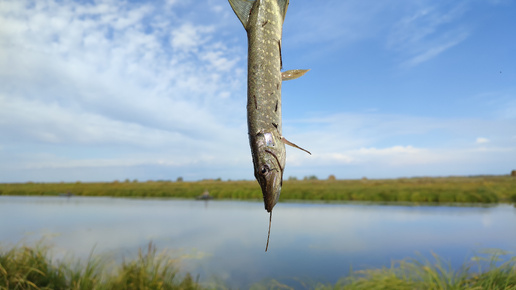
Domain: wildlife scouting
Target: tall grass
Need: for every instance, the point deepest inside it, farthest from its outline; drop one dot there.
(483, 189)
(496, 270)
(32, 268)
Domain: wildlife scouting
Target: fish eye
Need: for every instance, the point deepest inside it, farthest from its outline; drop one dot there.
(265, 169)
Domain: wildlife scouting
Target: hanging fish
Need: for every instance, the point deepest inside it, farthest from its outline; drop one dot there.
(263, 21)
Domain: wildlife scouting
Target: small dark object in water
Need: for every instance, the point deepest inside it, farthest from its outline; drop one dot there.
(204, 196)
(68, 194)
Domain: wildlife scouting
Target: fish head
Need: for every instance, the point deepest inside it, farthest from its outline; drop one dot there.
(268, 168)
(270, 179)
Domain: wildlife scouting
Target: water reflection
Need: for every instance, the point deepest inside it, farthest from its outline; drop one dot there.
(227, 239)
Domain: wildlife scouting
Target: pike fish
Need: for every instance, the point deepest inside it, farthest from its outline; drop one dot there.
(263, 22)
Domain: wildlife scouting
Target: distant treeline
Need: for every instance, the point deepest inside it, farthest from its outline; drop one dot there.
(481, 189)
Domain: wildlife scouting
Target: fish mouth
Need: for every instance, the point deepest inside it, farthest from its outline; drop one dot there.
(271, 181)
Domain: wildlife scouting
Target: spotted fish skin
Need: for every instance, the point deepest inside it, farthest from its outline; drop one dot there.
(263, 22)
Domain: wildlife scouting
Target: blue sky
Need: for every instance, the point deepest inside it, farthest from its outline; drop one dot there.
(148, 90)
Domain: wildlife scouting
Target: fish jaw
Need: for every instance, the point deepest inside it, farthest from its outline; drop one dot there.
(270, 180)
(269, 162)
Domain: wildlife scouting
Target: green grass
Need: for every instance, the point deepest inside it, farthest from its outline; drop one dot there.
(488, 271)
(32, 268)
(482, 189)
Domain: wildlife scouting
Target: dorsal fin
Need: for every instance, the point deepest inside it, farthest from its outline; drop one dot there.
(242, 9)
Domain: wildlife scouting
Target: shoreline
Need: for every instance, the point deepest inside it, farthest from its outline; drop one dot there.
(435, 190)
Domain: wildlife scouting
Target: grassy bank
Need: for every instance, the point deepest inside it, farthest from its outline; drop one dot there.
(484, 189)
(493, 270)
(31, 268)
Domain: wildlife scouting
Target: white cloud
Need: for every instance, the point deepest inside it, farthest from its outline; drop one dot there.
(188, 37)
(99, 74)
(395, 155)
(171, 2)
(482, 140)
(437, 48)
(114, 68)
(355, 145)
(429, 31)
(389, 151)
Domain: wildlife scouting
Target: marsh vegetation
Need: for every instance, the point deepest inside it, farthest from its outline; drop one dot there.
(23, 267)
(482, 189)
(33, 268)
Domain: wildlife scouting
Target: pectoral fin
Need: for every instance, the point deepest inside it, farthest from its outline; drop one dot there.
(293, 74)
(284, 140)
(242, 9)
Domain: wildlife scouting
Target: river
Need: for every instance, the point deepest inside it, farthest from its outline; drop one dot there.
(225, 240)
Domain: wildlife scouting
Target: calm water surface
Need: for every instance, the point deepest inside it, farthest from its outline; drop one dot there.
(226, 239)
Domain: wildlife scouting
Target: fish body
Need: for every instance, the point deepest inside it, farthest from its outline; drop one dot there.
(263, 21)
